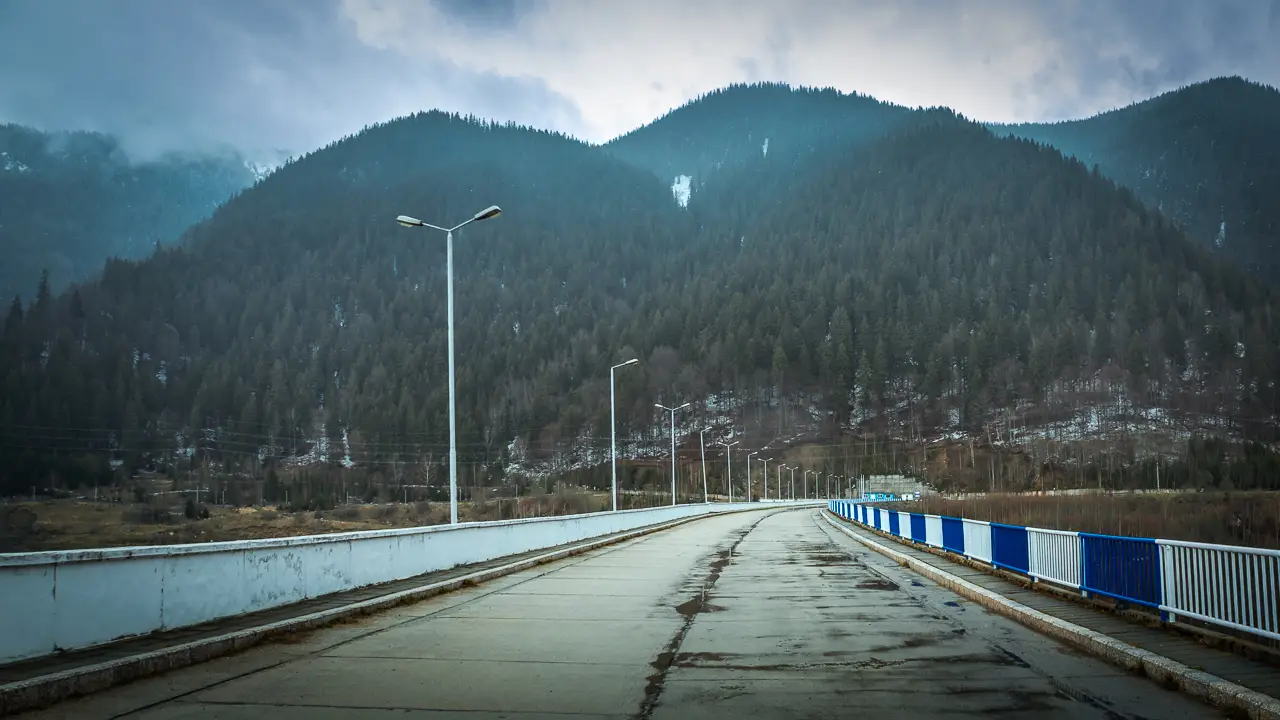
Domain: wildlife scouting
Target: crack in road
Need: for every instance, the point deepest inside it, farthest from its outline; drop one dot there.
(689, 609)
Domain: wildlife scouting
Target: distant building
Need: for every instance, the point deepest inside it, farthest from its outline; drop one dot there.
(889, 487)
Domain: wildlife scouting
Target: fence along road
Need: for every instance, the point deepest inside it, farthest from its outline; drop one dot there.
(762, 614)
(1224, 585)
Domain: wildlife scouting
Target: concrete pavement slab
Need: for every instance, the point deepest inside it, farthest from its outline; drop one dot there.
(577, 587)
(603, 642)
(703, 695)
(553, 607)
(191, 711)
(437, 685)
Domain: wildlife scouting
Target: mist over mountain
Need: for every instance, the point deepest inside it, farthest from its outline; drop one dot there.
(68, 201)
(837, 264)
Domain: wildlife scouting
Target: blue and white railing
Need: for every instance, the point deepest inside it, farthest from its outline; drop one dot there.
(1225, 585)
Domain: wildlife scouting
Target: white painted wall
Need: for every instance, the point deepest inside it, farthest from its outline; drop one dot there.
(68, 600)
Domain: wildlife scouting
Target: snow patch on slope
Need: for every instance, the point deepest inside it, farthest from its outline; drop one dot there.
(260, 170)
(682, 189)
(11, 164)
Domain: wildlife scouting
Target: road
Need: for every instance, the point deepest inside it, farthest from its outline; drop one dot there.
(760, 614)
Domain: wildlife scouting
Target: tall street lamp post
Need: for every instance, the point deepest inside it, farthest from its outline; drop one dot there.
(673, 445)
(613, 430)
(729, 454)
(490, 212)
(702, 445)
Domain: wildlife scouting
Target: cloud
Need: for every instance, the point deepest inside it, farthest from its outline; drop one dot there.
(262, 75)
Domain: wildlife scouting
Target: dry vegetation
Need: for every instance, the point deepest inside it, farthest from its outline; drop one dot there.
(76, 524)
(1238, 518)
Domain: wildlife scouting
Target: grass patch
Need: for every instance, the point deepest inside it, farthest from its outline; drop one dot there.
(78, 524)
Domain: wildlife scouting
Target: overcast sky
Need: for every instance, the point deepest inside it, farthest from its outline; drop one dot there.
(291, 75)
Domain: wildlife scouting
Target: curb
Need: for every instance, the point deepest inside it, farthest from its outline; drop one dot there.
(49, 689)
(1163, 670)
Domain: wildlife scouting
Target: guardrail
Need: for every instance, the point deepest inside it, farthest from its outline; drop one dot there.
(67, 600)
(1193, 585)
(1224, 585)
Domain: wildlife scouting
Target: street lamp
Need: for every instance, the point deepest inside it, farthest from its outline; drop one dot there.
(793, 482)
(780, 469)
(490, 212)
(702, 445)
(729, 454)
(613, 430)
(749, 473)
(673, 446)
(805, 482)
(765, 483)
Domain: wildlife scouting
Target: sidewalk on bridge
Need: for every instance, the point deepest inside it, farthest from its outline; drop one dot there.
(25, 684)
(1257, 675)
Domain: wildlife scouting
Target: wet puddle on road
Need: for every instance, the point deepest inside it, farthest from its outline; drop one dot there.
(877, 584)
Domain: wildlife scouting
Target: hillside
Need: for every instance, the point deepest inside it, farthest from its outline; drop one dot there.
(1206, 155)
(710, 141)
(68, 201)
(936, 273)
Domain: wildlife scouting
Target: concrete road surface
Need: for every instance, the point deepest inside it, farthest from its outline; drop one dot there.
(753, 615)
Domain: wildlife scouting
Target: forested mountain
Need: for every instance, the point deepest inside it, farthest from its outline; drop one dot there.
(68, 201)
(932, 270)
(710, 141)
(1206, 155)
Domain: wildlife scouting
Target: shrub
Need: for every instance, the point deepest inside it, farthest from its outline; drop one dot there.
(147, 515)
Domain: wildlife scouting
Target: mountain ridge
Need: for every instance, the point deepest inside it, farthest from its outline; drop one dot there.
(1202, 154)
(1168, 149)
